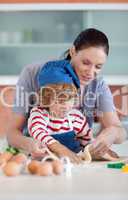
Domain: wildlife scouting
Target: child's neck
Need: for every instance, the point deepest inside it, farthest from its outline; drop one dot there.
(55, 115)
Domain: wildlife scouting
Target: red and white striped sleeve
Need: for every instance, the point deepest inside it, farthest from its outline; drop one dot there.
(81, 126)
(37, 126)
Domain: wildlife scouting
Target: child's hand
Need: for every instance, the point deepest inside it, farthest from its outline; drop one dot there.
(84, 137)
(38, 152)
(62, 151)
(83, 140)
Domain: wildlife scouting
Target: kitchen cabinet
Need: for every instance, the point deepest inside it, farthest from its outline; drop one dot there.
(35, 32)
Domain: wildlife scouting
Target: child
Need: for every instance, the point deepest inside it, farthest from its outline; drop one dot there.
(54, 122)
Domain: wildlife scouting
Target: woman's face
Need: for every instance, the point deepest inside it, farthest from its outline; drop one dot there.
(88, 63)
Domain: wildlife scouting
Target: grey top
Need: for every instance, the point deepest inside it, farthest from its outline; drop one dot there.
(97, 97)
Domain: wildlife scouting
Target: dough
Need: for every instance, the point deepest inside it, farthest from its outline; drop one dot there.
(49, 156)
(86, 155)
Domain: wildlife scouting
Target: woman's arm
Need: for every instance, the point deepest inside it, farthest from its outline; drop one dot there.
(121, 113)
(112, 132)
(112, 121)
(15, 136)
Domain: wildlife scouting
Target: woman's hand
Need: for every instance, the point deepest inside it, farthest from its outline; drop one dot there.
(62, 151)
(103, 142)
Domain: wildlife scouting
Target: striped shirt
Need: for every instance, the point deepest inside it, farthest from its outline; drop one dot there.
(42, 126)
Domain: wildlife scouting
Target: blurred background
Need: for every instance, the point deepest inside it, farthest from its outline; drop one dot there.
(29, 36)
(41, 32)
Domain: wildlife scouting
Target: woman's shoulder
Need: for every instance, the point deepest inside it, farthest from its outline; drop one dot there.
(32, 68)
(28, 75)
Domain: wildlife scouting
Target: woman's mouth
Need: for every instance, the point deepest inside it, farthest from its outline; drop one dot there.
(86, 78)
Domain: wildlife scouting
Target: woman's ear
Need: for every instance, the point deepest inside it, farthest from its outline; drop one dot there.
(72, 51)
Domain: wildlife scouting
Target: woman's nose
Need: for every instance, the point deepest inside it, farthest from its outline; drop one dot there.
(90, 69)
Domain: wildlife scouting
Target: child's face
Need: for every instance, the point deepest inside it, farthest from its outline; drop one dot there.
(61, 107)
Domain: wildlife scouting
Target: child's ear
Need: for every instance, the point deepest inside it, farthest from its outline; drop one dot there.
(72, 51)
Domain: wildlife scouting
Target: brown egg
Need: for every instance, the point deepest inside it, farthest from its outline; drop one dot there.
(57, 167)
(6, 155)
(45, 169)
(19, 158)
(2, 162)
(11, 169)
(33, 166)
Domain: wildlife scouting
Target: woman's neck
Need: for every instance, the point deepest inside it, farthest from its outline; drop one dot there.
(82, 87)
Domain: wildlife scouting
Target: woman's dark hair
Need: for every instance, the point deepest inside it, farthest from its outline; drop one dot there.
(89, 38)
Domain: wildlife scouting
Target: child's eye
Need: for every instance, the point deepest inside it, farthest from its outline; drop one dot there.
(61, 98)
(61, 101)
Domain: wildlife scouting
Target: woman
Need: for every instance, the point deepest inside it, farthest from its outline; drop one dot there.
(87, 57)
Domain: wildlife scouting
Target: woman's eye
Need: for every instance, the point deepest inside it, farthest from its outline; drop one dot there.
(85, 63)
(98, 67)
